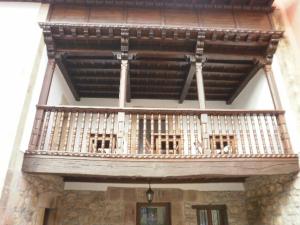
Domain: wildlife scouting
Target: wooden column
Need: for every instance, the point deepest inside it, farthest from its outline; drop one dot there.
(123, 83)
(47, 82)
(39, 116)
(122, 102)
(200, 85)
(201, 99)
(284, 135)
(272, 87)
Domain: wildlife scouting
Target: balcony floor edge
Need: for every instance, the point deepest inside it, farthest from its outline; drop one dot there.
(159, 168)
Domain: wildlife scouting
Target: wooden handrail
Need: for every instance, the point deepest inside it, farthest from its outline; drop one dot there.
(158, 110)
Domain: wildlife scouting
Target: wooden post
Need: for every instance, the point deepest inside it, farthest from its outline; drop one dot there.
(200, 85)
(39, 116)
(272, 87)
(285, 139)
(123, 83)
(201, 100)
(122, 101)
(284, 134)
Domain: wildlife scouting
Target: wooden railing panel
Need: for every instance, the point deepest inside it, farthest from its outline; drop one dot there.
(161, 132)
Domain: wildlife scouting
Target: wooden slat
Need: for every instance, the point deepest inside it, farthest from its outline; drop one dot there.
(74, 132)
(61, 120)
(111, 145)
(152, 134)
(45, 130)
(159, 134)
(129, 134)
(95, 147)
(137, 133)
(104, 130)
(144, 133)
(248, 133)
(51, 140)
(266, 122)
(81, 132)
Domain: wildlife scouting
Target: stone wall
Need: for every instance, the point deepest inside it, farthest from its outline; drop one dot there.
(273, 200)
(117, 206)
(287, 57)
(24, 204)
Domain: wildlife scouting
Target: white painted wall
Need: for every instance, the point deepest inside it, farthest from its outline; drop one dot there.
(256, 95)
(60, 93)
(21, 47)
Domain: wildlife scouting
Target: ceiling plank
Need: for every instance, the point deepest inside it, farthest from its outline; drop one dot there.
(188, 82)
(244, 83)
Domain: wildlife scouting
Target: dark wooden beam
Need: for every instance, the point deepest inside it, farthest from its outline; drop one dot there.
(65, 73)
(155, 180)
(188, 81)
(266, 6)
(47, 82)
(244, 83)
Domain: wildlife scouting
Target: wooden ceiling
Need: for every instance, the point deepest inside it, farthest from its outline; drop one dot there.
(263, 5)
(159, 59)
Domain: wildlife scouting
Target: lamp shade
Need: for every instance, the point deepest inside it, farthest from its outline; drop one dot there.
(149, 194)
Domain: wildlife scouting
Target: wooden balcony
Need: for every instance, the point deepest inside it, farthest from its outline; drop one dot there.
(76, 141)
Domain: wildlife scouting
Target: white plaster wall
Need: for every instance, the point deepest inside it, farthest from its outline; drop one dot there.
(21, 47)
(60, 93)
(256, 95)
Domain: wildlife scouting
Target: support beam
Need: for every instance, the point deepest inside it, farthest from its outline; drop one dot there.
(200, 85)
(188, 82)
(196, 67)
(39, 115)
(123, 83)
(284, 134)
(47, 82)
(66, 75)
(244, 83)
(272, 87)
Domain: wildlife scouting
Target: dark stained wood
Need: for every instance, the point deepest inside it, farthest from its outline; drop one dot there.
(201, 17)
(272, 87)
(159, 64)
(145, 110)
(47, 82)
(188, 81)
(64, 165)
(156, 180)
(252, 5)
(39, 116)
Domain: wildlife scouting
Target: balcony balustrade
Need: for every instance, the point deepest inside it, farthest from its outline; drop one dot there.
(158, 133)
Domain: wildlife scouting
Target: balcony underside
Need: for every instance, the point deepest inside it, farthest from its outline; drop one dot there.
(156, 167)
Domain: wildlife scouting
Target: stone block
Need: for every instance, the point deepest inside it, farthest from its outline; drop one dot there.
(129, 195)
(114, 194)
(130, 213)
